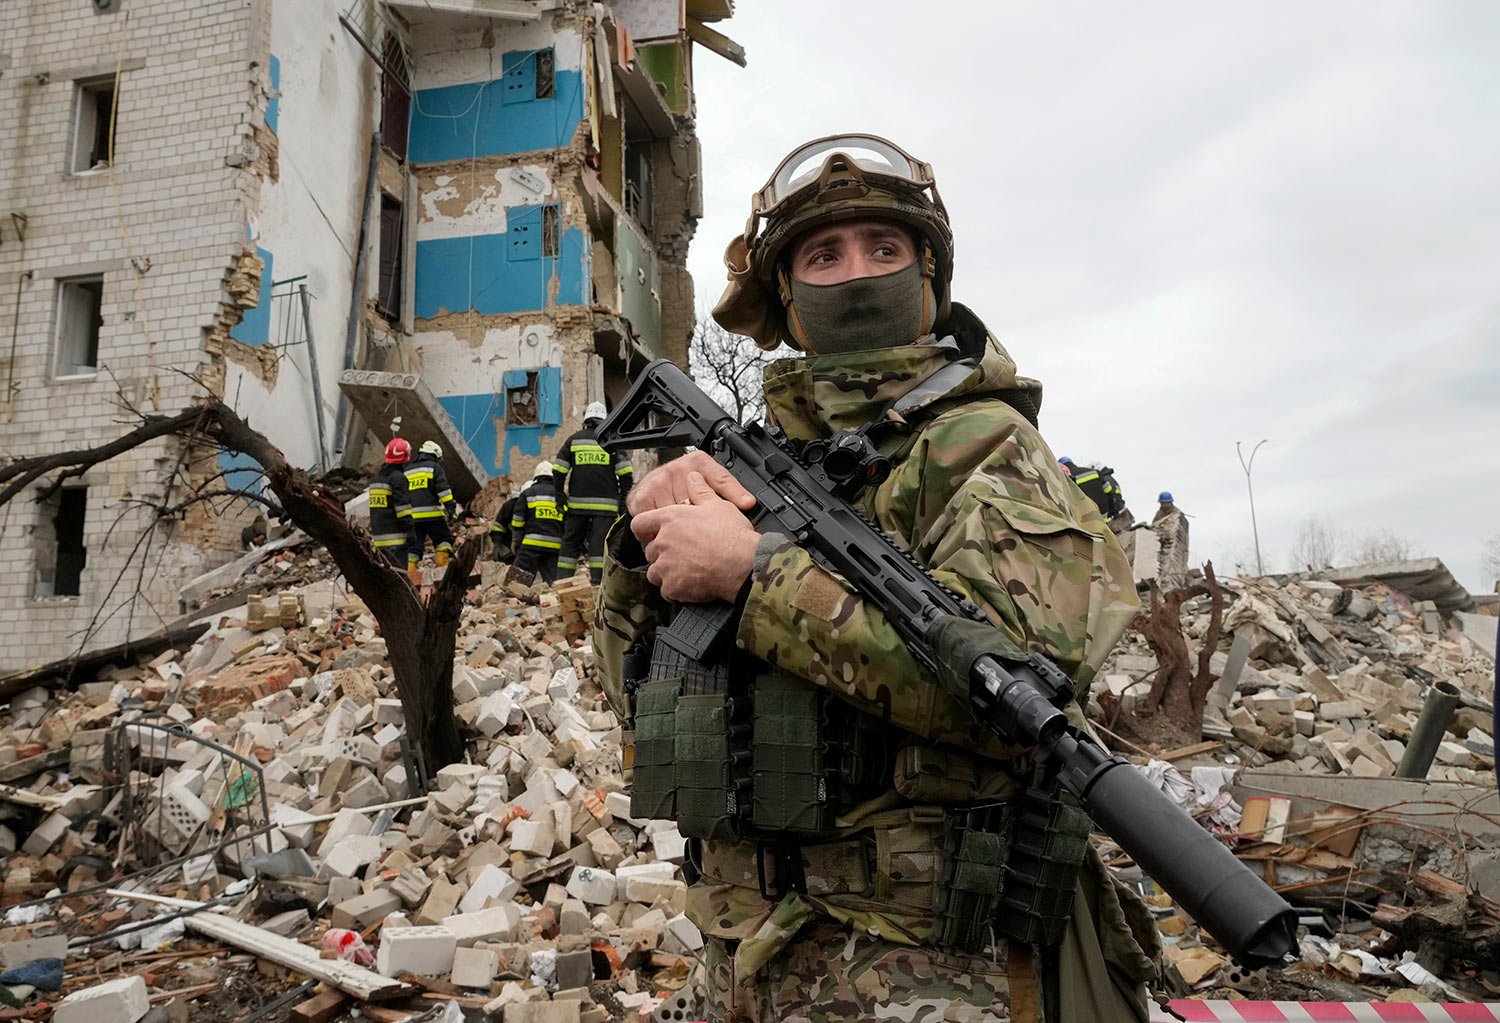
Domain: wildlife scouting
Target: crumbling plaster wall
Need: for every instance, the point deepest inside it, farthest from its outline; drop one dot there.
(498, 290)
(321, 110)
(190, 85)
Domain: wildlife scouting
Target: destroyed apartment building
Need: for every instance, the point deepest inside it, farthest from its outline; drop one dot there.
(471, 215)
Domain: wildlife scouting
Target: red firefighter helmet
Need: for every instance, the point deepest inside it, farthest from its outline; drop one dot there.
(398, 451)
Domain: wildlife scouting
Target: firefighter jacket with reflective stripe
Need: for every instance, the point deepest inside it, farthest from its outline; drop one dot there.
(390, 509)
(427, 487)
(500, 528)
(1100, 487)
(597, 480)
(538, 518)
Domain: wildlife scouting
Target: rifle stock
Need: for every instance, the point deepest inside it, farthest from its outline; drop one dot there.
(1018, 696)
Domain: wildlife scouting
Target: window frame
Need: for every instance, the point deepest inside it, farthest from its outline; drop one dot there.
(44, 586)
(86, 95)
(60, 291)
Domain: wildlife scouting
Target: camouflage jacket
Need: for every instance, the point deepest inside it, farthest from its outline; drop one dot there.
(977, 497)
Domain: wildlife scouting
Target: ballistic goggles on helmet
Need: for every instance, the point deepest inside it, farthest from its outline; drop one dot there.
(867, 161)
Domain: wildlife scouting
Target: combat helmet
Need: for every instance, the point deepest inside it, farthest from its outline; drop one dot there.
(834, 178)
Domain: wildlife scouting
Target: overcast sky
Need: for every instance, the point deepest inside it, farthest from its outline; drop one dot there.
(1195, 223)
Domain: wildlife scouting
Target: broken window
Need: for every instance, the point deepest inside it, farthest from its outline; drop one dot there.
(395, 98)
(546, 84)
(549, 231)
(60, 553)
(93, 123)
(392, 257)
(638, 182)
(80, 301)
(521, 399)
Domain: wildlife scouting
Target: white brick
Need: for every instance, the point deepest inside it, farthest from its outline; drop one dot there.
(592, 886)
(474, 967)
(496, 923)
(115, 1001)
(426, 951)
(494, 884)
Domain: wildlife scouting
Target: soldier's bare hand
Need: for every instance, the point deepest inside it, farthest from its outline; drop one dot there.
(667, 485)
(699, 551)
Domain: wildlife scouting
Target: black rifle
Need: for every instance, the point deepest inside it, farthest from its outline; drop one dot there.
(802, 494)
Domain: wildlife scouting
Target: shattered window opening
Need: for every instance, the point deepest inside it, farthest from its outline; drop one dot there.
(60, 553)
(546, 82)
(92, 124)
(521, 403)
(549, 231)
(80, 301)
(392, 257)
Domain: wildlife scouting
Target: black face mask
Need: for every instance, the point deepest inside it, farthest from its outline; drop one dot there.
(860, 315)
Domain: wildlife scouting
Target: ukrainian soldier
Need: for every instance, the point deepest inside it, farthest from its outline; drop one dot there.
(597, 481)
(431, 504)
(391, 531)
(838, 904)
(538, 523)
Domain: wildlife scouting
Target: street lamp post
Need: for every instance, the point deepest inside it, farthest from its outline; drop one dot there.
(1247, 464)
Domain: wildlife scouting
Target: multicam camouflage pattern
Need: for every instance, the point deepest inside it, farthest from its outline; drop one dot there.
(828, 975)
(980, 499)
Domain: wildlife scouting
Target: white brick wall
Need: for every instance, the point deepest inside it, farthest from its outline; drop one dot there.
(184, 107)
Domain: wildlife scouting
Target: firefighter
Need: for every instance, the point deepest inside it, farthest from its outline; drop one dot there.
(597, 482)
(500, 533)
(431, 504)
(1099, 485)
(390, 510)
(538, 522)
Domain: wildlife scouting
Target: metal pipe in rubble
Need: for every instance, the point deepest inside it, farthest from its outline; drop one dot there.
(1437, 712)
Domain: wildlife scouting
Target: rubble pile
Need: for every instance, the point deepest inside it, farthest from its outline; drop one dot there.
(518, 882)
(246, 818)
(1318, 690)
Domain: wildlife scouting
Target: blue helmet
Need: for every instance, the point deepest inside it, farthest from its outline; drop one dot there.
(1065, 460)
(1165, 497)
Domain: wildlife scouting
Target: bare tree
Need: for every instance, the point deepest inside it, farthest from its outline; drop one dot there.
(420, 636)
(1317, 546)
(729, 367)
(1489, 558)
(1382, 546)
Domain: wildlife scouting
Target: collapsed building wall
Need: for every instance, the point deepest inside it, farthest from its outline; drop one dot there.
(114, 261)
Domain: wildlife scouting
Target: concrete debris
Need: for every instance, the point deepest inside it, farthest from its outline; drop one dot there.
(517, 877)
(1317, 691)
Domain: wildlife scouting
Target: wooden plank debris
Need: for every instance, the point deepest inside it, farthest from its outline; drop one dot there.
(366, 985)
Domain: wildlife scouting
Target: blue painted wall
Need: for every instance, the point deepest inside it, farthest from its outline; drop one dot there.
(241, 472)
(481, 417)
(457, 122)
(273, 108)
(500, 273)
(255, 327)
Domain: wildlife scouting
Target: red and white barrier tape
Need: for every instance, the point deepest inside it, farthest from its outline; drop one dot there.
(1330, 1012)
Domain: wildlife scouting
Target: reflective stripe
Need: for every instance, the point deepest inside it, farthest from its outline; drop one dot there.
(1086, 479)
(496, 527)
(445, 496)
(567, 564)
(596, 562)
(624, 470)
(444, 547)
(542, 541)
(591, 505)
(427, 513)
(403, 511)
(390, 539)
